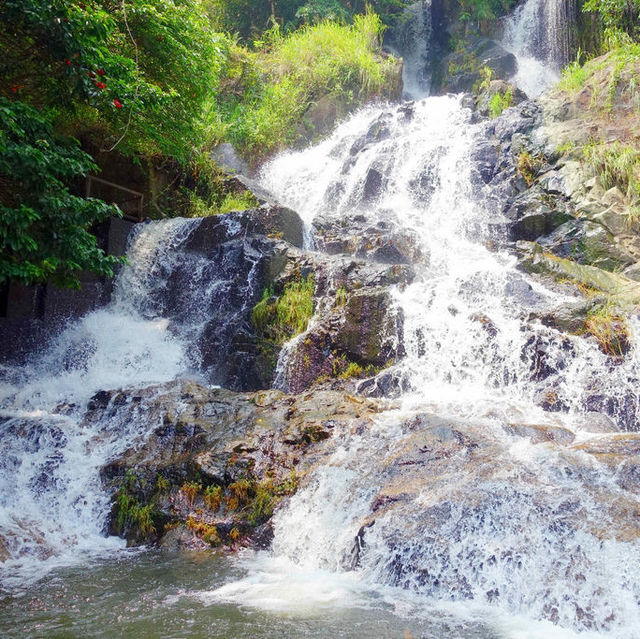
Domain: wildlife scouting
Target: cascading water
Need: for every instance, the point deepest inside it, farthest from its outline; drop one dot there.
(472, 356)
(52, 505)
(540, 34)
(412, 41)
(440, 497)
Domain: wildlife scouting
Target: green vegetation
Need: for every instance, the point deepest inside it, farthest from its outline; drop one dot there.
(482, 11)
(617, 16)
(250, 19)
(213, 497)
(574, 76)
(269, 91)
(155, 83)
(499, 102)
(610, 330)
(528, 166)
(44, 227)
(616, 165)
(279, 318)
(341, 296)
(129, 513)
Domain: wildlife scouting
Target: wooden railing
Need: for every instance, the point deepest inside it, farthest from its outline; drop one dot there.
(120, 202)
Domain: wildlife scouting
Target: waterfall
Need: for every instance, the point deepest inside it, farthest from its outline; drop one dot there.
(472, 357)
(52, 505)
(541, 35)
(411, 40)
(443, 503)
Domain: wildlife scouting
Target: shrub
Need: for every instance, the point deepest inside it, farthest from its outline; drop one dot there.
(280, 318)
(499, 102)
(44, 229)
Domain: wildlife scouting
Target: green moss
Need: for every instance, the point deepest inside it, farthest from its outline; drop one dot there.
(162, 484)
(130, 514)
(279, 318)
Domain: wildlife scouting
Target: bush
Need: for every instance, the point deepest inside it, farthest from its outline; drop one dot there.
(278, 319)
(499, 102)
(272, 89)
(44, 229)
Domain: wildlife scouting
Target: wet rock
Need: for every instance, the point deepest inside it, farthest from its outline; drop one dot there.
(460, 70)
(217, 462)
(368, 325)
(385, 241)
(181, 538)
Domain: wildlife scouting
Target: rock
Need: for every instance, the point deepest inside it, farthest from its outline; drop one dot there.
(458, 515)
(225, 156)
(535, 260)
(460, 70)
(180, 539)
(213, 439)
(484, 98)
(370, 328)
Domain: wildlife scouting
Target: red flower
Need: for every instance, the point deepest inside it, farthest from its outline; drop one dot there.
(90, 74)
(14, 90)
(101, 85)
(100, 72)
(67, 62)
(117, 103)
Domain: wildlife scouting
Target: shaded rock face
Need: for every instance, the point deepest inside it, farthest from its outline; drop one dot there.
(224, 265)
(460, 70)
(356, 322)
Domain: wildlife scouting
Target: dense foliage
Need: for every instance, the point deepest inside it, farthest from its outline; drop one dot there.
(249, 18)
(137, 70)
(617, 15)
(267, 93)
(43, 227)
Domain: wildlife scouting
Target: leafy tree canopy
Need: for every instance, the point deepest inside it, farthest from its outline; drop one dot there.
(43, 227)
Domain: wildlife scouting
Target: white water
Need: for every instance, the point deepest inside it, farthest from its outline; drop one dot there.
(52, 506)
(471, 355)
(538, 32)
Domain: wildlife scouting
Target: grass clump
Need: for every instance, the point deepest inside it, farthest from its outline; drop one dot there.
(213, 497)
(499, 102)
(130, 514)
(574, 77)
(528, 166)
(267, 92)
(191, 490)
(279, 318)
(341, 296)
(208, 532)
(610, 330)
(616, 165)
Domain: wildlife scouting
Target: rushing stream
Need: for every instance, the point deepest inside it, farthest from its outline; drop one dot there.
(518, 548)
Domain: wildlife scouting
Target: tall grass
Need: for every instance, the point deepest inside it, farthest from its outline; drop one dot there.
(261, 101)
(617, 165)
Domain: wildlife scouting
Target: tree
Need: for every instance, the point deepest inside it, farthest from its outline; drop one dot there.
(44, 229)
